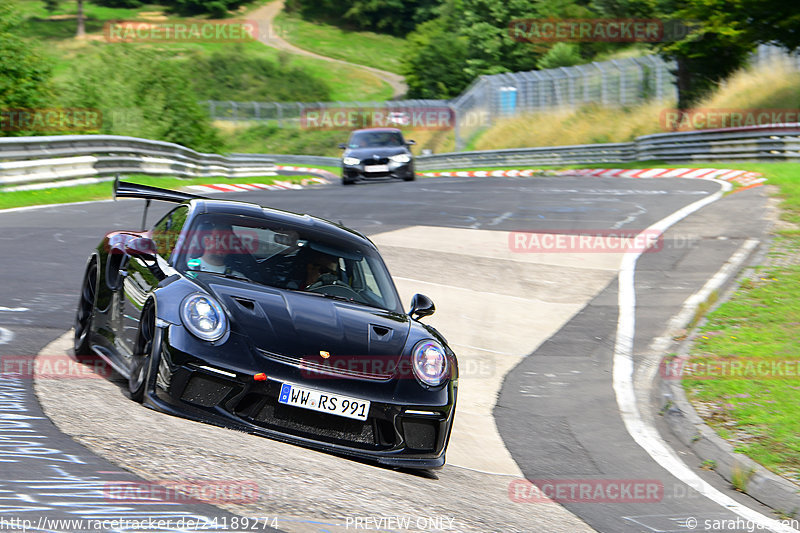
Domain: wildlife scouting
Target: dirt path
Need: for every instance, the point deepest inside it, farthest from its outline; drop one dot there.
(265, 15)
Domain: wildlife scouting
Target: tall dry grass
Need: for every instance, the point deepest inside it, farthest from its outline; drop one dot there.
(764, 88)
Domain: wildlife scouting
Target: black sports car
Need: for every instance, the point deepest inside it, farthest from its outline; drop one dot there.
(377, 154)
(271, 322)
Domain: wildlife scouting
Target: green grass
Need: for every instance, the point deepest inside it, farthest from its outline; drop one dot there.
(346, 83)
(100, 191)
(361, 47)
(759, 323)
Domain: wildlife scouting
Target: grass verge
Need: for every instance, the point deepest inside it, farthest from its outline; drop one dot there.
(100, 191)
(384, 51)
(759, 324)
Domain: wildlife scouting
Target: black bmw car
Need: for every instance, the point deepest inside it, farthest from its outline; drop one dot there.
(279, 324)
(377, 154)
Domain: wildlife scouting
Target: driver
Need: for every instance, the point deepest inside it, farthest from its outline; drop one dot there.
(321, 269)
(217, 242)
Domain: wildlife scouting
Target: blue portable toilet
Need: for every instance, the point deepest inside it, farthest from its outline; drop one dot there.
(508, 100)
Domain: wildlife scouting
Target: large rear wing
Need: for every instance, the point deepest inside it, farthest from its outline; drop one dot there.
(124, 189)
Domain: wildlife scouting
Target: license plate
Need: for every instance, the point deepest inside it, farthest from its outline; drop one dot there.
(376, 168)
(324, 402)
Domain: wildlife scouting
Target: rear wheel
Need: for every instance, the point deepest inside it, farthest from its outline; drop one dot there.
(143, 355)
(85, 313)
(347, 182)
(410, 177)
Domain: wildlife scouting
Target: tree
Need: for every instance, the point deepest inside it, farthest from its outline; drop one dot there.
(24, 73)
(81, 21)
(396, 17)
(433, 62)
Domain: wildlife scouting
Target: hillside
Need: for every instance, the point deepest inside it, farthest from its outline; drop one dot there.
(747, 89)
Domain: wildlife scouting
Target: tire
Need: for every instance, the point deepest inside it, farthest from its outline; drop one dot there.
(412, 177)
(347, 182)
(143, 355)
(85, 313)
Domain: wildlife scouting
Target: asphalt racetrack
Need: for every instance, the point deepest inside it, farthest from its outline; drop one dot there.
(535, 330)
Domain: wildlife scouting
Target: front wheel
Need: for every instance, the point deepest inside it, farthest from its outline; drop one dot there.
(143, 355)
(85, 312)
(410, 177)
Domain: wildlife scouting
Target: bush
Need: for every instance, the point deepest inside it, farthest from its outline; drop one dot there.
(560, 55)
(141, 94)
(232, 75)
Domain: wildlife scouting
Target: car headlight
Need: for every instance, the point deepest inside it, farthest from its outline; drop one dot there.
(351, 161)
(429, 362)
(204, 317)
(401, 158)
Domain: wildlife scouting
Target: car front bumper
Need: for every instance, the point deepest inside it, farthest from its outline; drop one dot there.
(358, 172)
(196, 381)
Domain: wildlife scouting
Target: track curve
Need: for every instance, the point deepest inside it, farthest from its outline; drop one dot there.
(449, 236)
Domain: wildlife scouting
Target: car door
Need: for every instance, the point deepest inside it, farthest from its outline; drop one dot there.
(142, 275)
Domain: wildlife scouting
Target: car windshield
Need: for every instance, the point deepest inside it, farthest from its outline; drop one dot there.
(372, 139)
(286, 257)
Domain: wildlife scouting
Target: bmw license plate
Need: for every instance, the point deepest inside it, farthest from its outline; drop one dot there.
(376, 168)
(324, 402)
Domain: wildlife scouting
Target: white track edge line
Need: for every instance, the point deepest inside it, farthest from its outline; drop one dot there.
(644, 434)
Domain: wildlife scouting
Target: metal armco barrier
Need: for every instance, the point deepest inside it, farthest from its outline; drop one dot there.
(33, 159)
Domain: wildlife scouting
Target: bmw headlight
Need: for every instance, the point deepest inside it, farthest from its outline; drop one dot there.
(350, 161)
(429, 362)
(401, 158)
(204, 317)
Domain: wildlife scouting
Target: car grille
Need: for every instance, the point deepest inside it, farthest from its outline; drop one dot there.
(206, 391)
(304, 422)
(375, 161)
(327, 369)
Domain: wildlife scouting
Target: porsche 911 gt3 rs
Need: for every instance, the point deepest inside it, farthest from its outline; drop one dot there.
(276, 323)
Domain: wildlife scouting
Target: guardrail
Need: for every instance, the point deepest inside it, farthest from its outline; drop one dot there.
(36, 159)
(296, 160)
(547, 155)
(769, 142)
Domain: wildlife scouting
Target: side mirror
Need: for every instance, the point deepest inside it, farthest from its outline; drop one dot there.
(421, 306)
(410, 142)
(343, 146)
(141, 247)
